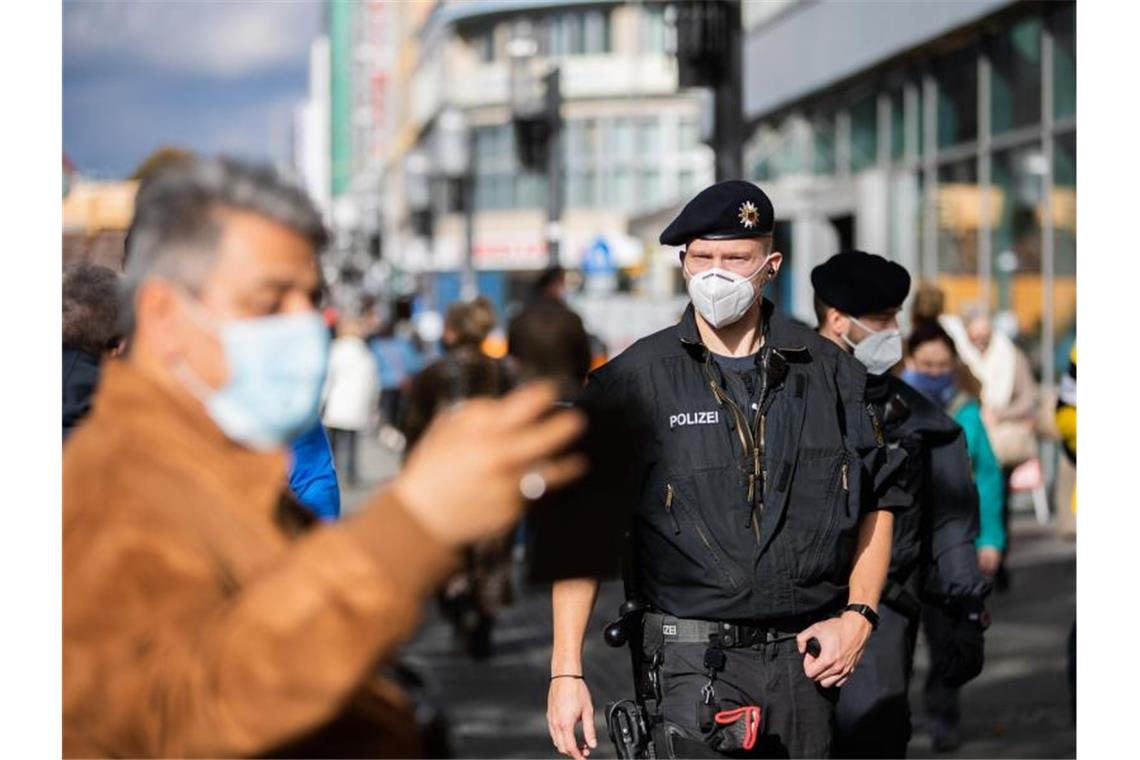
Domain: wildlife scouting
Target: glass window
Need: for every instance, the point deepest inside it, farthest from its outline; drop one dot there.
(823, 145)
(957, 78)
(652, 29)
(1015, 82)
(958, 213)
(649, 137)
(763, 154)
(625, 138)
(574, 24)
(590, 188)
(898, 126)
(688, 133)
(622, 191)
(580, 193)
(864, 134)
(1018, 176)
(686, 182)
(597, 32)
(555, 29)
(648, 189)
(530, 190)
(582, 135)
(1065, 62)
(484, 45)
(607, 187)
(1065, 236)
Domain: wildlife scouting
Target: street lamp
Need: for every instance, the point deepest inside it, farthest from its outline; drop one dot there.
(536, 112)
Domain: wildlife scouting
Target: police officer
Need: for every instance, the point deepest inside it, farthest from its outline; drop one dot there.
(762, 517)
(857, 300)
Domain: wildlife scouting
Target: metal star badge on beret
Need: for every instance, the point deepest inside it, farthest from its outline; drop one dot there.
(749, 214)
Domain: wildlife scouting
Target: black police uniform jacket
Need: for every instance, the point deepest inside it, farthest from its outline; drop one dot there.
(932, 552)
(722, 529)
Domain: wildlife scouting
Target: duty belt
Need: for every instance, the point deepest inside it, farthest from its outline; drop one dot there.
(727, 635)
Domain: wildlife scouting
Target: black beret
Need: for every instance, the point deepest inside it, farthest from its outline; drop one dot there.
(728, 210)
(860, 283)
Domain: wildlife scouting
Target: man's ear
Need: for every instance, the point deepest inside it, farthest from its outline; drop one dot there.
(775, 260)
(837, 321)
(158, 317)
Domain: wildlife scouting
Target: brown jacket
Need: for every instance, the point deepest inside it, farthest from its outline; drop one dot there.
(193, 624)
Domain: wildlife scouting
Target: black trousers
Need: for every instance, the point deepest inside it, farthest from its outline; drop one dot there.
(344, 452)
(943, 711)
(872, 718)
(390, 406)
(796, 713)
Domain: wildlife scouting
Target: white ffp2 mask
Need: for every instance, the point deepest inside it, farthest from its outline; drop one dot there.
(879, 351)
(723, 297)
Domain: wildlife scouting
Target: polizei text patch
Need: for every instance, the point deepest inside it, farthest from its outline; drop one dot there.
(694, 418)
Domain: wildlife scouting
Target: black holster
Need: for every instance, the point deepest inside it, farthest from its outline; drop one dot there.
(631, 722)
(902, 600)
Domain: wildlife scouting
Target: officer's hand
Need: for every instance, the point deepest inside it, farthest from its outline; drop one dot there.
(462, 479)
(568, 702)
(841, 641)
(989, 559)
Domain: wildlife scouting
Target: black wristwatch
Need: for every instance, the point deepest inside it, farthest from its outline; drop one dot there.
(864, 610)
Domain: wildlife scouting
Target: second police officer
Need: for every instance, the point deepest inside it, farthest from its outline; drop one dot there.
(763, 510)
(933, 559)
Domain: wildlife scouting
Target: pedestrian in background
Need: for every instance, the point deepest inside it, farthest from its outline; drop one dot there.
(350, 395)
(398, 359)
(92, 333)
(1008, 398)
(934, 369)
(198, 618)
(547, 339)
(473, 597)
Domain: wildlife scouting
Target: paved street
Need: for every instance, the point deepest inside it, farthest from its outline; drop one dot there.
(1018, 707)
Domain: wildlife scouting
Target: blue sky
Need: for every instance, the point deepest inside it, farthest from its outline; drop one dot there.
(214, 77)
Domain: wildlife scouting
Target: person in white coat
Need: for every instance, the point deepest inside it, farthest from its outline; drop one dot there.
(350, 395)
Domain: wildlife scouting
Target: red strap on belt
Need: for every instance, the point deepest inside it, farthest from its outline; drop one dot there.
(751, 715)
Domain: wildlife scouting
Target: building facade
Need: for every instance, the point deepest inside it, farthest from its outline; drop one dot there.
(942, 135)
(630, 142)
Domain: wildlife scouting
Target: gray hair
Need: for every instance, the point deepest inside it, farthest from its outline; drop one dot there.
(976, 310)
(176, 227)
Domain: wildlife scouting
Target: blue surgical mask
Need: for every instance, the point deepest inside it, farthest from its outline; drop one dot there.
(938, 388)
(277, 368)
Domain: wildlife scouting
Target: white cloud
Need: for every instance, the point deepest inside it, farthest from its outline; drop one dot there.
(214, 39)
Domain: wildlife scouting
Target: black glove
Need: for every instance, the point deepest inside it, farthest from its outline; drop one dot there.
(957, 640)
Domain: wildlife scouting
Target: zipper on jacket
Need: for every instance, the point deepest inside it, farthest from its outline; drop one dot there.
(750, 449)
(670, 493)
(669, 508)
(880, 439)
(712, 551)
(843, 471)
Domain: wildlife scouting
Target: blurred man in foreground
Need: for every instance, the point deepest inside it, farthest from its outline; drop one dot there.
(196, 620)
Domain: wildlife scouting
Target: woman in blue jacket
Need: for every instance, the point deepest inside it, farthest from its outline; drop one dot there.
(934, 369)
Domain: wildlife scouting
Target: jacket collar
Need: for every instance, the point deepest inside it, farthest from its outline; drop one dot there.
(171, 424)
